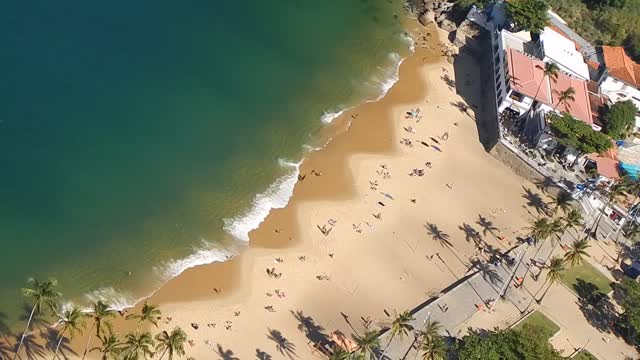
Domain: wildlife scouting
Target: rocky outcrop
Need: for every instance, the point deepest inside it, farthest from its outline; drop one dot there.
(429, 11)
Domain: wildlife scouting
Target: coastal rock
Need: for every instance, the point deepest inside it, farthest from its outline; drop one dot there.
(426, 17)
(447, 25)
(450, 59)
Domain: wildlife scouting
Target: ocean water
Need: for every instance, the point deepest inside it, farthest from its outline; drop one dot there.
(139, 138)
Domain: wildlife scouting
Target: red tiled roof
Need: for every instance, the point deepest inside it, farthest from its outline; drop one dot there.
(620, 65)
(606, 167)
(526, 73)
(580, 107)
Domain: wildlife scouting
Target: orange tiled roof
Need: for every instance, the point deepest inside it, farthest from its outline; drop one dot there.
(527, 72)
(620, 65)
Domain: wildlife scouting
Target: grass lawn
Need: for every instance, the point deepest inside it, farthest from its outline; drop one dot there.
(549, 328)
(588, 274)
(584, 355)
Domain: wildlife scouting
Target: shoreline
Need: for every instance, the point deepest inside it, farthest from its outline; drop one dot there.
(391, 255)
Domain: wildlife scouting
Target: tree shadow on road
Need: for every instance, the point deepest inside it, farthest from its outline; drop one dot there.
(488, 271)
(596, 307)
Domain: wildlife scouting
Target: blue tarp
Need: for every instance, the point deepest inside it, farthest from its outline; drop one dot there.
(632, 170)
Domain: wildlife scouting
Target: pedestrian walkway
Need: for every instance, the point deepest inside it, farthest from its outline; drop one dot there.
(478, 292)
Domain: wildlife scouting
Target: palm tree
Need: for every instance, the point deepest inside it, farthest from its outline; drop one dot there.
(110, 347)
(100, 315)
(43, 295)
(562, 202)
(554, 274)
(615, 191)
(173, 343)
(539, 229)
(551, 71)
(433, 348)
(368, 343)
(429, 331)
(572, 219)
(401, 326)
(149, 313)
(71, 321)
(564, 97)
(138, 344)
(577, 252)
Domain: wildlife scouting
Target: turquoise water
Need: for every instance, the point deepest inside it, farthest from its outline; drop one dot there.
(134, 136)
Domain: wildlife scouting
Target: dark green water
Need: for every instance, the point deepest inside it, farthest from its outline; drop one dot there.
(135, 135)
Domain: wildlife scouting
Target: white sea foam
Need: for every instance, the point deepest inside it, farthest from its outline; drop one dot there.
(206, 253)
(117, 299)
(275, 197)
(329, 116)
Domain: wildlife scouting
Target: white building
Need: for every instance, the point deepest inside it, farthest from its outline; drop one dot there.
(519, 74)
(558, 49)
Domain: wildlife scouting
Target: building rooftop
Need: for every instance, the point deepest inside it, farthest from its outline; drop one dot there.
(620, 65)
(561, 50)
(526, 73)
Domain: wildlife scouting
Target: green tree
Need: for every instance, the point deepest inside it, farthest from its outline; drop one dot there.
(368, 343)
(137, 345)
(171, 343)
(577, 252)
(575, 133)
(71, 322)
(539, 229)
(528, 343)
(562, 202)
(100, 314)
(111, 347)
(572, 219)
(431, 344)
(400, 326)
(620, 119)
(43, 295)
(628, 293)
(554, 274)
(528, 15)
(148, 313)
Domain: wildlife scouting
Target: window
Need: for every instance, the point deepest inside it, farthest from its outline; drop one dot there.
(516, 96)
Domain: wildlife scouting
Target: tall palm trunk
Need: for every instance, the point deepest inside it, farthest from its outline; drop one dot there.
(164, 352)
(539, 301)
(86, 348)
(383, 352)
(533, 297)
(24, 334)
(60, 338)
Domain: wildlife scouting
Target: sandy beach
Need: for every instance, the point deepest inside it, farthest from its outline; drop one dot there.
(360, 234)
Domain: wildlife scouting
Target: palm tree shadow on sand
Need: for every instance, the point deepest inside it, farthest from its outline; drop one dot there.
(313, 331)
(6, 349)
(51, 338)
(283, 345)
(261, 355)
(225, 354)
(535, 201)
(438, 235)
